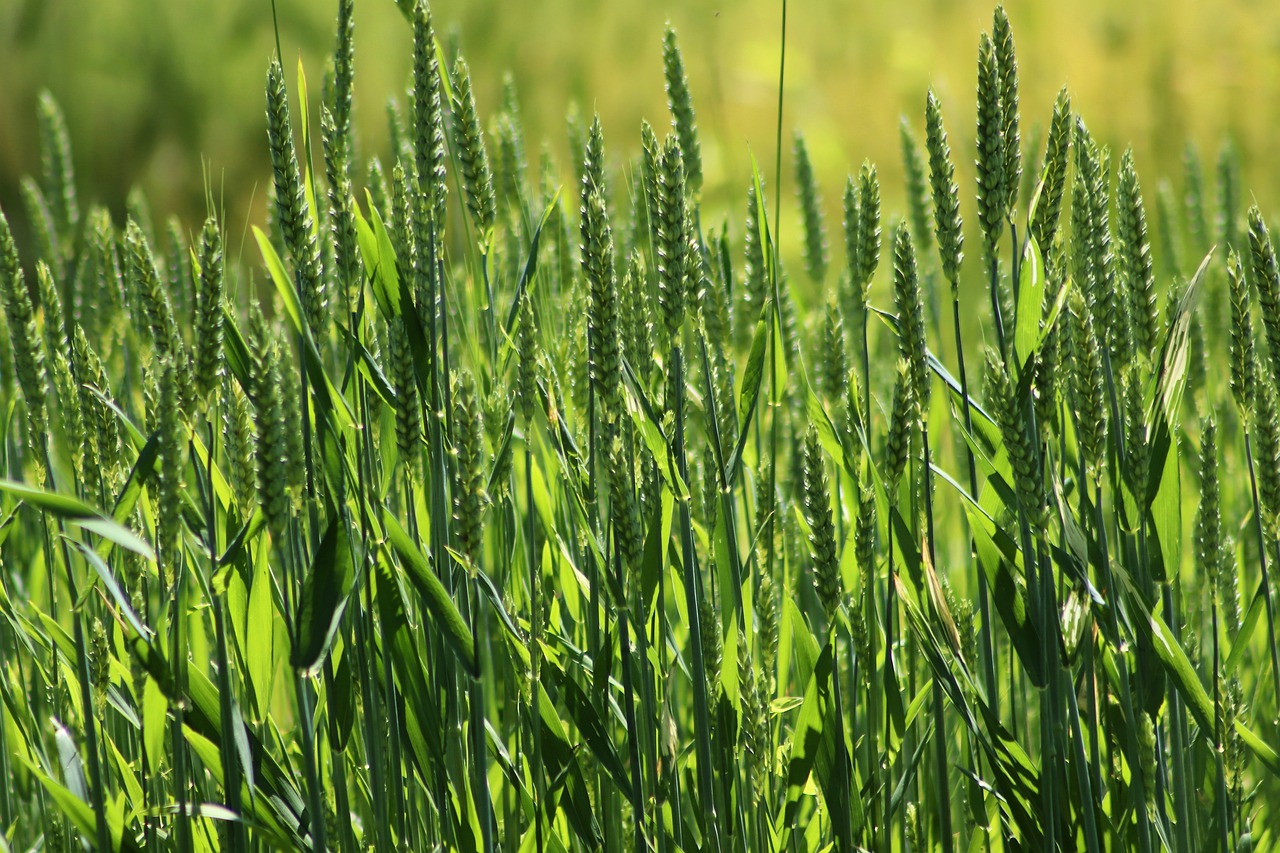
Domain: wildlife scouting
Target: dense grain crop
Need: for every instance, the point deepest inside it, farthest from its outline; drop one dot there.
(521, 508)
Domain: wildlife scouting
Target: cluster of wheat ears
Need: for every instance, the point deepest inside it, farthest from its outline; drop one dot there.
(526, 513)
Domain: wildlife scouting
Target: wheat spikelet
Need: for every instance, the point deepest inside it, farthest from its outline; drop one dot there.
(1044, 223)
(469, 496)
(208, 315)
(917, 186)
(1135, 249)
(948, 225)
(477, 179)
(57, 172)
(992, 193)
(680, 102)
(429, 154)
(815, 237)
(292, 210)
(1244, 368)
(48, 243)
(909, 303)
(1007, 63)
(1007, 411)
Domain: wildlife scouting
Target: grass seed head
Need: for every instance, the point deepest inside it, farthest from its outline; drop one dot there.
(913, 166)
(510, 167)
(428, 254)
(625, 512)
(1007, 63)
(593, 166)
(854, 419)
(767, 510)
(713, 298)
(1147, 756)
(511, 106)
(346, 272)
(755, 727)
(649, 179)
(55, 329)
(868, 226)
(1265, 273)
(815, 236)
(1044, 223)
(469, 495)
(473, 160)
(44, 229)
(270, 428)
(177, 264)
(602, 308)
(375, 180)
(69, 409)
(1008, 410)
(429, 152)
(710, 489)
(865, 535)
(712, 641)
(1170, 242)
(1193, 200)
(344, 68)
(400, 223)
(767, 622)
(672, 248)
(1137, 452)
(28, 349)
(948, 224)
(102, 427)
(100, 308)
(150, 293)
(172, 464)
(99, 653)
(1266, 426)
(755, 278)
(408, 405)
(527, 364)
(1208, 531)
(1244, 367)
(508, 163)
(726, 414)
(637, 313)
(902, 420)
(1082, 259)
(1049, 376)
(852, 243)
(1135, 258)
(833, 369)
(292, 211)
(1088, 384)
(575, 350)
(208, 332)
(238, 439)
(397, 135)
(822, 530)
(680, 102)
(1229, 588)
(992, 193)
(57, 173)
(909, 303)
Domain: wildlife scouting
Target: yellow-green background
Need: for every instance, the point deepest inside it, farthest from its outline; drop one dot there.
(163, 93)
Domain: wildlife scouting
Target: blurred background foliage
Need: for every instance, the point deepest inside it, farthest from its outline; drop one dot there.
(169, 95)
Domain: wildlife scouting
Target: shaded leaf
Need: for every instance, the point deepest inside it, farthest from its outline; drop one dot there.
(323, 599)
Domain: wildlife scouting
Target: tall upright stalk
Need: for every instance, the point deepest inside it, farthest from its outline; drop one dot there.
(693, 594)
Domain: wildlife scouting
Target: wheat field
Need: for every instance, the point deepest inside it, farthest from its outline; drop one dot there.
(510, 497)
